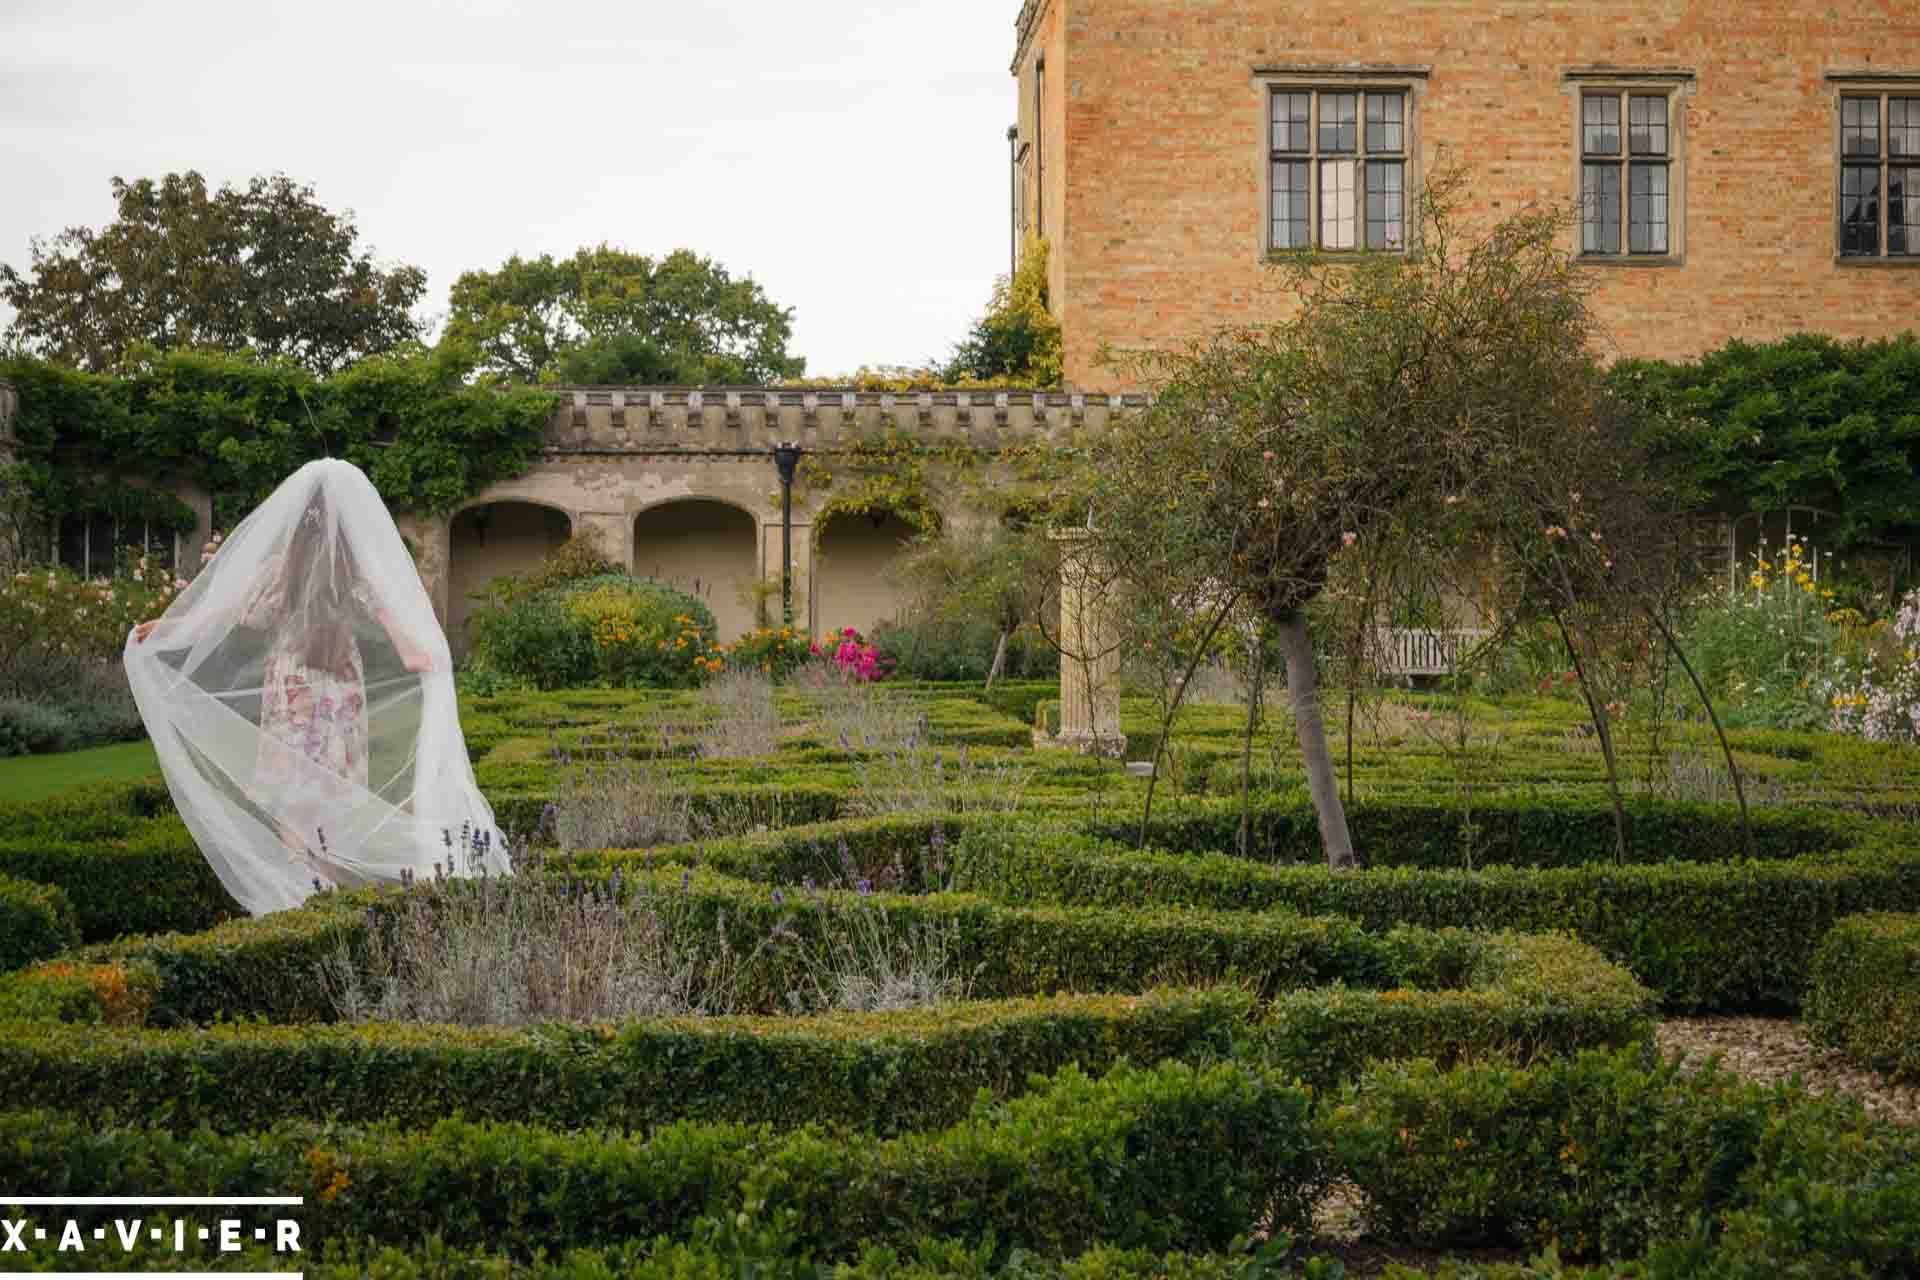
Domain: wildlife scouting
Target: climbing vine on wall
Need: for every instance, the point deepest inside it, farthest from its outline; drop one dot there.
(238, 426)
(918, 479)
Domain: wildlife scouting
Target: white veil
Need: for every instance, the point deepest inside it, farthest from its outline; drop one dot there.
(299, 694)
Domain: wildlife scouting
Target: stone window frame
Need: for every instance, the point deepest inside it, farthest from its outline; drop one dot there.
(1879, 85)
(1676, 85)
(1410, 81)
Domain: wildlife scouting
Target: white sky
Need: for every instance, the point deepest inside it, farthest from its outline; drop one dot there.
(850, 155)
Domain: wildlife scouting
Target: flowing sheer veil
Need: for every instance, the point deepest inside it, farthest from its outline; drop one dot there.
(296, 742)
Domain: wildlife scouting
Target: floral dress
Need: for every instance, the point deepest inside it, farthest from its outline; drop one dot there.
(307, 714)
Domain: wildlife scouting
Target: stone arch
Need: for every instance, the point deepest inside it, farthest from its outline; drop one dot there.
(488, 539)
(707, 547)
(852, 554)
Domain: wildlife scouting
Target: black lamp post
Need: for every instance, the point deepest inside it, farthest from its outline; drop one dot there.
(786, 456)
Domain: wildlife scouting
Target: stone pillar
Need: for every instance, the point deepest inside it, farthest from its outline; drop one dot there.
(430, 538)
(1090, 667)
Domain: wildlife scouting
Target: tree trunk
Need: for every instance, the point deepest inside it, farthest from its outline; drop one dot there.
(1303, 691)
(999, 660)
(1256, 697)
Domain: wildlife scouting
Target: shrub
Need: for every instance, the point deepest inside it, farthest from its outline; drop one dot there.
(772, 651)
(33, 728)
(1172, 1157)
(1615, 1155)
(62, 991)
(607, 628)
(949, 651)
(535, 640)
(1863, 995)
(1725, 937)
(645, 633)
(36, 921)
(153, 879)
(1513, 828)
(883, 1073)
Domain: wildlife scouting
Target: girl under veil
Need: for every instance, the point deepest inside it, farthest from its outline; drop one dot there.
(291, 767)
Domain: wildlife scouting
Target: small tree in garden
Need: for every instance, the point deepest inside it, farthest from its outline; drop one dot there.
(1005, 574)
(1270, 453)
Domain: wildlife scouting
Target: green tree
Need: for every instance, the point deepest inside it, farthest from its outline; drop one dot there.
(609, 316)
(1809, 421)
(1402, 380)
(265, 268)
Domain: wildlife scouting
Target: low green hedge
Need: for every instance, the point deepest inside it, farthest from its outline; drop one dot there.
(1519, 998)
(36, 921)
(1729, 937)
(1621, 1155)
(1864, 996)
(885, 1073)
(1176, 1157)
(153, 880)
(778, 804)
(1509, 829)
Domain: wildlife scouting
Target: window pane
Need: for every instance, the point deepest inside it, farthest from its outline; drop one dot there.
(1860, 209)
(1600, 208)
(1903, 210)
(1291, 121)
(1647, 209)
(1860, 126)
(1386, 204)
(1647, 125)
(1339, 123)
(1903, 127)
(1337, 208)
(1290, 204)
(1386, 122)
(1601, 124)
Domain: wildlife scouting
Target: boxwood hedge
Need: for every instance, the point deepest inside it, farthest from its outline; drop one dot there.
(1172, 1157)
(36, 921)
(1521, 998)
(1864, 996)
(1725, 937)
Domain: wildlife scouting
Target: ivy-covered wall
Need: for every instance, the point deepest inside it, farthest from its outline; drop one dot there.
(235, 427)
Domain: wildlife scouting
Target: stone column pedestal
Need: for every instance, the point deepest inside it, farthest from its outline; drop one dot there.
(1090, 667)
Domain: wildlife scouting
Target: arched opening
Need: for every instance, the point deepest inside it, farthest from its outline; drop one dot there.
(488, 541)
(706, 548)
(853, 555)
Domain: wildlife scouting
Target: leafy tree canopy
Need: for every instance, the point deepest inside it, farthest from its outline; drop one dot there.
(1809, 421)
(609, 316)
(265, 268)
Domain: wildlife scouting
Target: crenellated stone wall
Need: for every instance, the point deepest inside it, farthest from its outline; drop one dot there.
(679, 483)
(681, 418)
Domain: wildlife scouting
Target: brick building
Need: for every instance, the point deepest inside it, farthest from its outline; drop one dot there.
(1740, 170)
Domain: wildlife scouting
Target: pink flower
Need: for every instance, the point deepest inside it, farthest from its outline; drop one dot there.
(1348, 539)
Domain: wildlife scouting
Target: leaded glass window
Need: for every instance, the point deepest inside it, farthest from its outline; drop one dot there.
(1625, 173)
(1879, 175)
(1339, 169)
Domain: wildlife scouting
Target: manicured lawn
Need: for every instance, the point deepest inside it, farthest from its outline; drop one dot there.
(35, 777)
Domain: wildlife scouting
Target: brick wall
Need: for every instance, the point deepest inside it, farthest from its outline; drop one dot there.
(1160, 232)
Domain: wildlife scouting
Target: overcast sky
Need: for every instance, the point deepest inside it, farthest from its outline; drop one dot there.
(849, 154)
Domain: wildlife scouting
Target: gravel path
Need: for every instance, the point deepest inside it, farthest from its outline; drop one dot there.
(1773, 1049)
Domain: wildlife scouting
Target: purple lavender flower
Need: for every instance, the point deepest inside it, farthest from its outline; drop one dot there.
(866, 888)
